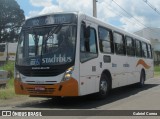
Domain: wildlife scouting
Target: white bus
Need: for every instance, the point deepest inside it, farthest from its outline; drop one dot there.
(72, 54)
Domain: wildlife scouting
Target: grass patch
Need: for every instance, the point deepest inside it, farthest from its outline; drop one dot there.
(8, 91)
(8, 66)
(157, 71)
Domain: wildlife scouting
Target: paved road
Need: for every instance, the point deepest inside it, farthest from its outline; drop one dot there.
(125, 98)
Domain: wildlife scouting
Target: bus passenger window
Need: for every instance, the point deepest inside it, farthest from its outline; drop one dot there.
(105, 40)
(88, 46)
(149, 51)
(130, 47)
(138, 48)
(119, 43)
(144, 50)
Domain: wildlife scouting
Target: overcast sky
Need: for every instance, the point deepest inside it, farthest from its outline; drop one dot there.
(107, 10)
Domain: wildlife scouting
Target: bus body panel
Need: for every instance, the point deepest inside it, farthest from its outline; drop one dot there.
(90, 70)
(68, 88)
(123, 75)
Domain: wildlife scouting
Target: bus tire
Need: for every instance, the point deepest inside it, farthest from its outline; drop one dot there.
(104, 87)
(142, 79)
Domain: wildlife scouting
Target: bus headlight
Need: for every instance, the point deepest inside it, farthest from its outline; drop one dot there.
(68, 74)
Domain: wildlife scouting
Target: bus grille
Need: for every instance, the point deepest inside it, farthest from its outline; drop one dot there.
(46, 91)
(54, 70)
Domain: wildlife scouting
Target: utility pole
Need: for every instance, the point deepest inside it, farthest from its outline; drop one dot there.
(94, 8)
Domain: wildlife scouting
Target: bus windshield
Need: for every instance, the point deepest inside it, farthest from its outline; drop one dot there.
(46, 46)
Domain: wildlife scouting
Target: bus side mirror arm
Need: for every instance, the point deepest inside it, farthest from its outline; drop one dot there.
(87, 32)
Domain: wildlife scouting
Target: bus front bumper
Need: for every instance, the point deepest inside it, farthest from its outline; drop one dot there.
(66, 88)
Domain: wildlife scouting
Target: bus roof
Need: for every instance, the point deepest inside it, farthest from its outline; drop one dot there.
(48, 14)
(97, 21)
(113, 28)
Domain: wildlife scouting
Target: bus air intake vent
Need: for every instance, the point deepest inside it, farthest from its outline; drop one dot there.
(45, 91)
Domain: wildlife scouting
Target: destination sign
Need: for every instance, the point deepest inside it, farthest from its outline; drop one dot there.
(51, 19)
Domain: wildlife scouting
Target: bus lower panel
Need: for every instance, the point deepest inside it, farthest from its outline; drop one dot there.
(66, 88)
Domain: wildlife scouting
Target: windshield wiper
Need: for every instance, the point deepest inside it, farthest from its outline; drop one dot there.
(54, 30)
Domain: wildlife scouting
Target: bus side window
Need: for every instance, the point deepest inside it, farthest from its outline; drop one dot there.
(105, 40)
(138, 48)
(88, 46)
(144, 50)
(130, 47)
(149, 51)
(119, 43)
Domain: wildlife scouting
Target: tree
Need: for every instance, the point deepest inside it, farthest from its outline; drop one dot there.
(11, 20)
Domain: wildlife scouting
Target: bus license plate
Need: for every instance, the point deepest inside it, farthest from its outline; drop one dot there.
(39, 88)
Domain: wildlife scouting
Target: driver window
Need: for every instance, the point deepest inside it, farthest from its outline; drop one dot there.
(88, 46)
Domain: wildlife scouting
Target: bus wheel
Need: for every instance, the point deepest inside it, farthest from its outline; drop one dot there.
(142, 79)
(103, 87)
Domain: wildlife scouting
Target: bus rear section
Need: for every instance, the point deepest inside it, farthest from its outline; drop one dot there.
(45, 61)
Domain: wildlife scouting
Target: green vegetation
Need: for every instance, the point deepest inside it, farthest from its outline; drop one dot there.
(157, 71)
(11, 20)
(8, 92)
(8, 67)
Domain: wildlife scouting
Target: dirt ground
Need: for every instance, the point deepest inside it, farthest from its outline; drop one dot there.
(18, 101)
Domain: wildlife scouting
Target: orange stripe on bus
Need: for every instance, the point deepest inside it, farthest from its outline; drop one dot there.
(66, 88)
(143, 63)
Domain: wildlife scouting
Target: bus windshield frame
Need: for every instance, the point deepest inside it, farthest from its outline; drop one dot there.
(47, 46)
(43, 46)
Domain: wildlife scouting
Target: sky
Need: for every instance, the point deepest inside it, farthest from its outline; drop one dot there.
(139, 15)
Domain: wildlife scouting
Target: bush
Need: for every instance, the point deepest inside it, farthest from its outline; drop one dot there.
(8, 91)
(8, 67)
(157, 71)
